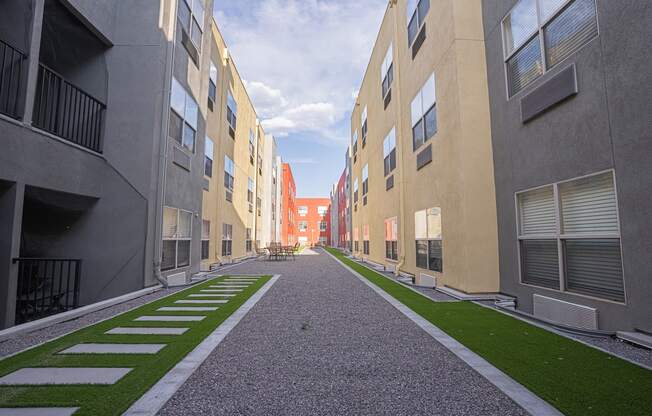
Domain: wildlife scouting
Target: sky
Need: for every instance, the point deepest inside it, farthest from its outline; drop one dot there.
(302, 62)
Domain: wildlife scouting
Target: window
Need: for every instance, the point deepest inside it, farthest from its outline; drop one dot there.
(416, 15)
(389, 152)
(231, 114)
(250, 194)
(191, 16)
(252, 146)
(355, 146)
(561, 27)
(387, 73)
(227, 239)
(365, 242)
(322, 225)
(302, 211)
(355, 239)
(259, 205)
(574, 225)
(205, 239)
(208, 157)
(303, 225)
(363, 123)
(365, 183)
(248, 245)
(177, 234)
(183, 117)
(391, 239)
(424, 114)
(212, 86)
(229, 177)
(428, 235)
(355, 191)
(322, 210)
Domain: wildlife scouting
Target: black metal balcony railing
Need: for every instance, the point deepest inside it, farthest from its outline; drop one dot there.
(11, 75)
(66, 111)
(46, 287)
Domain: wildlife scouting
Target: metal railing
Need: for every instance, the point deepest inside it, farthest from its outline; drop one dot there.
(66, 111)
(46, 287)
(11, 76)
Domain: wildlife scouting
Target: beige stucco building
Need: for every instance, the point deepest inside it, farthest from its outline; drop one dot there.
(422, 166)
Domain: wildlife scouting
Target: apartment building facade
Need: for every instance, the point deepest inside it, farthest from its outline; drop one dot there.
(334, 215)
(421, 158)
(313, 221)
(340, 208)
(571, 144)
(288, 207)
(111, 116)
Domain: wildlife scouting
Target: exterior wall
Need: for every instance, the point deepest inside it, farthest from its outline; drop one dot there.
(341, 208)
(606, 125)
(459, 180)
(117, 191)
(217, 209)
(312, 234)
(289, 209)
(278, 223)
(334, 216)
(269, 177)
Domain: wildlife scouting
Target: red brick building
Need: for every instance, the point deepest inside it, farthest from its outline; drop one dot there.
(313, 221)
(288, 207)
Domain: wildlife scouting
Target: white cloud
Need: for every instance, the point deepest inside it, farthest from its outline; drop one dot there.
(304, 59)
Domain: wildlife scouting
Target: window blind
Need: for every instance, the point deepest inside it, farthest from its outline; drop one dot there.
(589, 205)
(538, 212)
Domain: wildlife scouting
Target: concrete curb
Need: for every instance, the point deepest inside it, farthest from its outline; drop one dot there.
(154, 400)
(514, 390)
(73, 314)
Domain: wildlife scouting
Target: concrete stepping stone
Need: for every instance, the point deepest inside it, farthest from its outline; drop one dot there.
(146, 331)
(170, 318)
(63, 376)
(204, 301)
(39, 411)
(243, 279)
(211, 295)
(187, 309)
(221, 290)
(114, 349)
(229, 286)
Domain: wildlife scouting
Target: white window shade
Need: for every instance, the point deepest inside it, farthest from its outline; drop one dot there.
(589, 205)
(434, 223)
(228, 165)
(355, 137)
(213, 73)
(421, 225)
(185, 224)
(537, 212)
(208, 148)
(178, 97)
(389, 143)
(170, 216)
(365, 173)
(428, 93)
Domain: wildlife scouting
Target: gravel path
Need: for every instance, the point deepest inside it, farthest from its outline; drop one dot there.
(39, 336)
(320, 342)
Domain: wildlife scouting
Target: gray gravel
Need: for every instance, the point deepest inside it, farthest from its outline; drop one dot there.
(320, 342)
(39, 336)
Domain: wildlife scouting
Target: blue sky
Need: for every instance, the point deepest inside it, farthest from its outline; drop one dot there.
(302, 62)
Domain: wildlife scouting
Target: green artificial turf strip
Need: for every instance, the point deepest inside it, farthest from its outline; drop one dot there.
(575, 378)
(147, 369)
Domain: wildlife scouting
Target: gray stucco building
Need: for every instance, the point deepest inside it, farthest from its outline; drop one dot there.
(569, 85)
(88, 159)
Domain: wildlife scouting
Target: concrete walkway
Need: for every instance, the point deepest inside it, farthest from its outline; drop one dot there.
(321, 342)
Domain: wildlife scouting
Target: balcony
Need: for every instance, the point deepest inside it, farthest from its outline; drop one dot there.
(67, 111)
(12, 66)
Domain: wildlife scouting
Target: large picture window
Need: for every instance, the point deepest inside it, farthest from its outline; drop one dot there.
(428, 235)
(561, 27)
(365, 183)
(363, 129)
(424, 113)
(231, 114)
(389, 152)
(252, 146)
(183, 117)
(191, 16)
(569, 237)
(177, 235)
(250, 194)
(391, 239)
(212, 85)
(355, 146)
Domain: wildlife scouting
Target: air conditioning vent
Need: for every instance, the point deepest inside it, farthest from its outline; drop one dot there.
(424, 157)
(229, 196)
(566, 313)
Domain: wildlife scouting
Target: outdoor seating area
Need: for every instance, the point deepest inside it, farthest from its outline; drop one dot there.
(277, 251)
